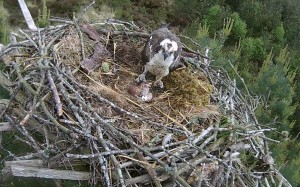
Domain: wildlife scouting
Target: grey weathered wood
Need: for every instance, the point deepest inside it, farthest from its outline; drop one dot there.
(31, 163)
(26, 171)
(5, 126)
(27, 16)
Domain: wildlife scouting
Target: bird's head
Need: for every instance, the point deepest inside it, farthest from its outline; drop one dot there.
(168, 47)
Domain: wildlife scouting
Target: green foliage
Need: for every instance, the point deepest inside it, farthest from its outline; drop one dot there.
(4, 28)
(278, 34)
(160, 15)
(44, 15)
(291, 22)
(215, 17)
(122, 8)
(239, 29)
(275, 82)
(119, 3)
(65, 8)
(260, 16)
(253, 49)
(288, 160)
(186, 11)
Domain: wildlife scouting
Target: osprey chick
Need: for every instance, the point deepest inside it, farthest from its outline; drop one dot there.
(163, 51)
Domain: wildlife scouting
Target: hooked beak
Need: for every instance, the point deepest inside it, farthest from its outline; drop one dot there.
(166, 55)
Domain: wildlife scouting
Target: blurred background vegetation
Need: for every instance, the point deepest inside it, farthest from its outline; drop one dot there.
(260, 39)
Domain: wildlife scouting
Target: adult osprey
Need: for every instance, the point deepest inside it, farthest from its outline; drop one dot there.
(163, 51)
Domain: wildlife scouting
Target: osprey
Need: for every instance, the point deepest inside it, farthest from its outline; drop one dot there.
(163, 51)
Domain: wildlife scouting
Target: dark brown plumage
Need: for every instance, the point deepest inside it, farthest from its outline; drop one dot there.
(162, 51)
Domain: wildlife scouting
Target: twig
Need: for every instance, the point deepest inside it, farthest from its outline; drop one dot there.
(26, 85)
(106, 153)
(114, 159)
(54, 121)
(150, 170)
(126, 33)
(55, 94)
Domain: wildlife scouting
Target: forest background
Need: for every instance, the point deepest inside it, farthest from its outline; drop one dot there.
(259, 47)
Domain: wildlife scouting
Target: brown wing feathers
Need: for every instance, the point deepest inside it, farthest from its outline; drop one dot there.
(153, 44)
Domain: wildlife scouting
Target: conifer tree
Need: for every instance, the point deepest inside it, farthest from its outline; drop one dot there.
(275, 83)
(4, 30)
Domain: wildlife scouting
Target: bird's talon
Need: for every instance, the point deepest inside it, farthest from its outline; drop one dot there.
(141, 78)
(159, 84)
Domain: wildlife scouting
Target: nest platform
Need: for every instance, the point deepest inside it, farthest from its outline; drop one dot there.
(70, 107)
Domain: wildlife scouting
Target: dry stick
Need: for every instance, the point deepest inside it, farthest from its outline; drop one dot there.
(26, 85)
(52, 160)
(12, 98)
(103, 165)
(58, 104)
(95, 155)
(241, 181)
(40, 40)
(12, 46)
(126, 33)
(140, 148)
(86, 9)
(132, 143)
(157, 155)
(135, 115)
(203, 134)
(9, 153)
(46, 136)
(22, 140)
(172, 156)
(89, 136)
(80, 37)
(102, 99)
(81, 100)
(112, 21)
(74, 108)
(184, 142)
(150, 170)
(210, 138)
(195, 52)
(114, 159)
(227, 175)
(47, 48)
(29, 38)
(40, 153)
(249, 109)
(164, 176)
(24, 132)
(35, 99)
(54, 121)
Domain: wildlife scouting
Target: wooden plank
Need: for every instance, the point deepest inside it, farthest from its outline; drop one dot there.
(27, 16)
(26, 171)
(31, 163)
(5, 126)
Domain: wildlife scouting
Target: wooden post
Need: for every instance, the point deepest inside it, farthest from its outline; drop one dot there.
(27, 16)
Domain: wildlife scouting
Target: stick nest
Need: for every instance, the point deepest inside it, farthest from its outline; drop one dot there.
(70, 105)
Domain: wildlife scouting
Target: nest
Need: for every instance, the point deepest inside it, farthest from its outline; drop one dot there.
(71, 107)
